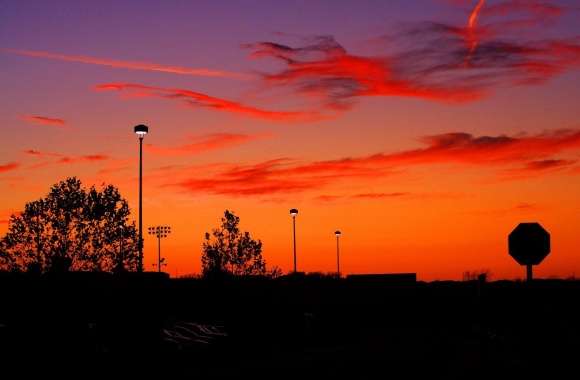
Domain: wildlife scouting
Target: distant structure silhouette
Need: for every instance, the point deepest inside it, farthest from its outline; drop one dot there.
(529, 244)
(159, 232)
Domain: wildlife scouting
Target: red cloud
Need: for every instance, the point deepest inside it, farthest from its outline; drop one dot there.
(9, 167)
(86, 158)
(205, 143)
(537, 167)
(43, 120)
(198, 99)
(331, 198)
(326, 69)
(48, 158)
(548, 164)
(132, 65)
(505, 8)
(493, 53)
(285, 175)
(258, 179)
(379, 195)
(526, 206)
(37, 153)
(432, 61)
(454, 148)
(509, 15)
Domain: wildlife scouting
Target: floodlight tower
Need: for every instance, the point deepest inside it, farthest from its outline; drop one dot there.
(160, 232)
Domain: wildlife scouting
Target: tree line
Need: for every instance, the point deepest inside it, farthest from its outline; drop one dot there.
(74, 228)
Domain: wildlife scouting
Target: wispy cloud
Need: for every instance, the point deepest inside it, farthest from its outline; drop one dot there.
(528, 9)
(9, 167)
(49, 158)
(245, 180)
(430, 60)
(201, 100)
(526, 206)
(521, 208)
(200, 144)
(538, 167)
(548, 164)
(370, 196)
(115, 167)
(379, 195)
(458, 148)
(525, 156)
(131, 65)
(325, 69)
(37, 153)
(44, 120)
(84, 158)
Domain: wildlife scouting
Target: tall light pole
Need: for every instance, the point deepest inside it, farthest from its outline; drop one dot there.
(141, 130)
(159, 232)
(337, 233)
(293, 213)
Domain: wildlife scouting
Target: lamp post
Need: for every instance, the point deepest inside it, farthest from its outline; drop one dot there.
(141, 130)
(293, 213)
(159, 232)
(337, 233)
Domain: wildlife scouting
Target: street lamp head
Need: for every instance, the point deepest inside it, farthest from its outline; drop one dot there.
(337, 233)
(141, 130)
(293, 212)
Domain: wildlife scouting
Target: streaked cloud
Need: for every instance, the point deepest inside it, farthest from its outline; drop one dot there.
(526, 206)
(529, 9)
(49, 158)
(131, 65)
(538, 167)
(524, 155)
(9, 167)
(380, 195)
(44, 120)
(200, 100)
(83, 158)
(204, 143)
(548, 164)
(37, 153)
(429, 60)
(324, 69)
(358, 196)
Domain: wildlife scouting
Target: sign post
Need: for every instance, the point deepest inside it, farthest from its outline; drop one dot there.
(529, 244)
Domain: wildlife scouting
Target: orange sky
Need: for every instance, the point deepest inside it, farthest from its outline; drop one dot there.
(424, 136)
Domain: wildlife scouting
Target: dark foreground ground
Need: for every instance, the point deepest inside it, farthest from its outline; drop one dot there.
(302, 327)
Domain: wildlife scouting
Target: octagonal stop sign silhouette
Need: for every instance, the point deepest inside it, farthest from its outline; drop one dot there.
(529, 244)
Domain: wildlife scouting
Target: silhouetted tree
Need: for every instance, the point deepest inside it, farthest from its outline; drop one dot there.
(230, 251)
(72, 228)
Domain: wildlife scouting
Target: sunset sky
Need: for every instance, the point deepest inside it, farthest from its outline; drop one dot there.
(423, 130)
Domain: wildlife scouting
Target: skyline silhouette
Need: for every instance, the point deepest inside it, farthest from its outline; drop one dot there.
(424, 132)
(309, 189)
